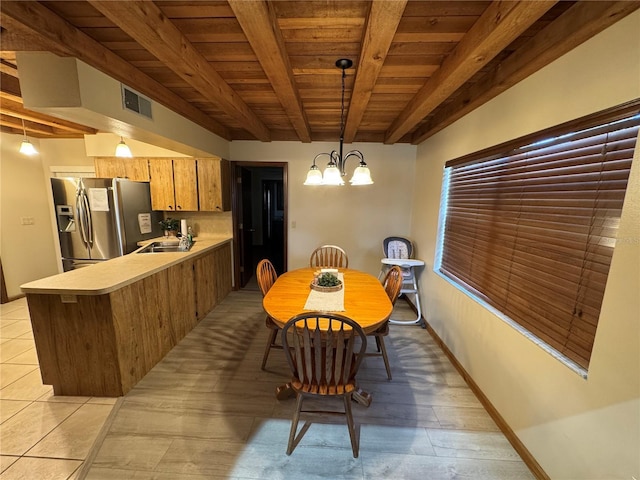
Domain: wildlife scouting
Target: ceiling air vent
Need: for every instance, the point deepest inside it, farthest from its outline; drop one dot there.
(135, 102)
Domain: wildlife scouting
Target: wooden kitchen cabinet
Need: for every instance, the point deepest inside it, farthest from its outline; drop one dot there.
(213, 184)
(204, 274)
(136, 169)
(173, 184)
(103, 341)
(212, 279)
(223, 273)
(182, 296)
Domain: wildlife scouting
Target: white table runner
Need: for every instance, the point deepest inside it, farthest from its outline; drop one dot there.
(327, 302)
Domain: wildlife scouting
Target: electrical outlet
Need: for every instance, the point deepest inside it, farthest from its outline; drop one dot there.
(27, 220)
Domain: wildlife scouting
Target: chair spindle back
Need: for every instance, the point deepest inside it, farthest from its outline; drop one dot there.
(330, 256)
(266, 275)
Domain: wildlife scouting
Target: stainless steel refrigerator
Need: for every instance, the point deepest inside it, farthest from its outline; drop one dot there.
(102, 218)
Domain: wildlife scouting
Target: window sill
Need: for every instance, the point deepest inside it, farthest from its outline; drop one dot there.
(544, 346)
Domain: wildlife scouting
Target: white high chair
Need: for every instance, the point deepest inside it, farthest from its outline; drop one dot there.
(399, 251)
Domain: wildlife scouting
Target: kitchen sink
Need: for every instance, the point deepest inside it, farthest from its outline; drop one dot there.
(163, 247)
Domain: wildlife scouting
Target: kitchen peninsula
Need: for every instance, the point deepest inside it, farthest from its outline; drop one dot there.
(99, 330)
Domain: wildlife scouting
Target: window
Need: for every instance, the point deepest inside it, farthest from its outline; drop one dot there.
(529, 227)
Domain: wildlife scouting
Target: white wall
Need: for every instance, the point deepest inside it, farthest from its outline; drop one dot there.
(577, 429)
(28, 251)
(356, 218)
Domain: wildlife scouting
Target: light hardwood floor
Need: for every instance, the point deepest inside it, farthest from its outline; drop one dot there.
(207, 411)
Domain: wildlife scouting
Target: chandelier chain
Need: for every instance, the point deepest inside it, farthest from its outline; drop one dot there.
(344, 75)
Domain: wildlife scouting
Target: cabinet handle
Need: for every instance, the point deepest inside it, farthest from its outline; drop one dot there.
(179, 207)
(170, 207)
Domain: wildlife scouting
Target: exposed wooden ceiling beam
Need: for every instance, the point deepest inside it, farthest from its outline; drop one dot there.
(259, 23)
(15, 109)
(578, 24)
(380, 28)
(8, 69)
(146, 23)
(16, 124)
(31, 128)
(36, 19)
(499, 25)
(22, 41)
(10, 87)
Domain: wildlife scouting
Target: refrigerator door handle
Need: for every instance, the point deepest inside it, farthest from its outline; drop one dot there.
(80, 211)
(82, 207)
(87, 211)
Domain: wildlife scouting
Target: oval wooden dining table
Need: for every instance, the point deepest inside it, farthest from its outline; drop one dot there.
(365, 302)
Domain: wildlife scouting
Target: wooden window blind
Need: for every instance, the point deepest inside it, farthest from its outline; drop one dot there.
(531, 231)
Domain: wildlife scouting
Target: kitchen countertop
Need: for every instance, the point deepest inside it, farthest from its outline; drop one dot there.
(113, 274)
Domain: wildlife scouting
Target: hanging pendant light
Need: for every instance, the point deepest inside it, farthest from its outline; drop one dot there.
(123, 150)
(26, 147)
(334, 171)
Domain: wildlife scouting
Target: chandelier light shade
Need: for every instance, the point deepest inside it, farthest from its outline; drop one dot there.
(361, 175)
(314, 177)
(123, 150)
(26, 147)
(335, 169)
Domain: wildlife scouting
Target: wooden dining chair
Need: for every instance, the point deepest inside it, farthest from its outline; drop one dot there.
(266, 276)
(324, 356)
(392, 285)
(330, 256)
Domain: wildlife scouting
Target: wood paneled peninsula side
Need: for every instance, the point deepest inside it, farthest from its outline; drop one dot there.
(99, 330)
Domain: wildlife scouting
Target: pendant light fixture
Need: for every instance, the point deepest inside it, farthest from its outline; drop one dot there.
(123, 150)
(26, 147)
(334, 171)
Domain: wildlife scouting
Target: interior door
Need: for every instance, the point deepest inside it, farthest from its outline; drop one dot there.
(246, 229)
(273, 222)
(259, 193)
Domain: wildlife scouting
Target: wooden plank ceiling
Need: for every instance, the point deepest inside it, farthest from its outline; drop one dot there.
(265, 70)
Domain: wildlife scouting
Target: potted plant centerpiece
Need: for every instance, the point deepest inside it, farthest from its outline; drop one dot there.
(170, 226)
(326, 282)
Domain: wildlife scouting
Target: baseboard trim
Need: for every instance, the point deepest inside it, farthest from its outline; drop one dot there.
(504, 427)
(518, 446)
(13, 298)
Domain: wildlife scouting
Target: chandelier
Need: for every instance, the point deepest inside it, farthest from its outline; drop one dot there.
(335, 169)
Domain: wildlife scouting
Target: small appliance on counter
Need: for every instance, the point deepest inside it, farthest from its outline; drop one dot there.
(102, 218)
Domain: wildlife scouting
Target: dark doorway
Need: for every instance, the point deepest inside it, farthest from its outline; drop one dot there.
(259, 218)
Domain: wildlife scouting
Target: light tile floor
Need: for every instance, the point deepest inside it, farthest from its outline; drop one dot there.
(41, 436)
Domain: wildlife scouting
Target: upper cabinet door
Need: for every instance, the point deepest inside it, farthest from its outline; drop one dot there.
(162, 193)
(213, 184)
(185, 184)
(136, 169)
(109, 167)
